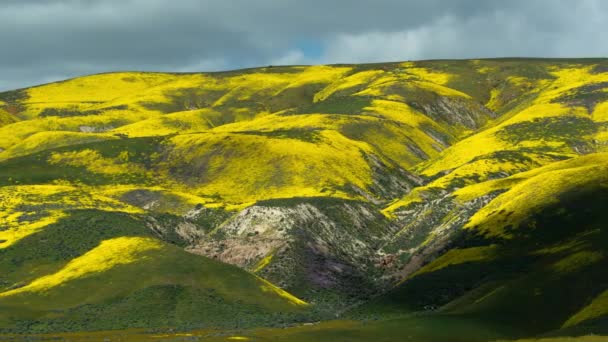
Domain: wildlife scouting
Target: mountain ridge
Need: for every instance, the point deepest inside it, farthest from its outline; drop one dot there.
(337, 183)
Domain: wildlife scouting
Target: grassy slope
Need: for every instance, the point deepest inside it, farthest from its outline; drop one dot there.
(72, 260)
(432, 329)
(6, 118)
(198, 138)
(415, 329)
(531, 259)
(537, 131)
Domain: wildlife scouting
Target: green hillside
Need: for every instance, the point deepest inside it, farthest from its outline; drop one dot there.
(75, 264)
(402, 197)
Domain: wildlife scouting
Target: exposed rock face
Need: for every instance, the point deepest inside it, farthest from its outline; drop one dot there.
(249, 236)
(390, 181)
(428, 228)
(95, 129)
(328, 247)
(313, 245)
(455, 111)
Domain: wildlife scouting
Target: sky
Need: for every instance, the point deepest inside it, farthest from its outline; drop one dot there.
(48, 40)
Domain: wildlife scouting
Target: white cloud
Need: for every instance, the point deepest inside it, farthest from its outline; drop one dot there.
(499, 33)
(214, 64)
(293, 57)
(45, 38)
(377, 46)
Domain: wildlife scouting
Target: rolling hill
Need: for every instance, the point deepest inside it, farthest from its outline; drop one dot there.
(469, 192)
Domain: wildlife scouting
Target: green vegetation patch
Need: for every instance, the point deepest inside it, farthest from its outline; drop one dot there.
(166, 286)
(14, 96)
(60, 242)
(36, 168)
(71, 112)
(293, 97)
(308, 135)
(338, 105)
(600, 68)
(468, 78)
(183, 99)
(587, 96)
(270, 69)
(533, 282)
(562, 128)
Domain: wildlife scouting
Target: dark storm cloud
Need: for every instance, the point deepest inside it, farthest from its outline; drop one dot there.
(48, 40)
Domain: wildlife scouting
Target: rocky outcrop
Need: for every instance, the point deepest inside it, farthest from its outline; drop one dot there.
(308, 246)
(427, 229)
(95, 129)
(454, 111)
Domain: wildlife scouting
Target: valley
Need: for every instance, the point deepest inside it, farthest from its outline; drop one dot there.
(335, 202)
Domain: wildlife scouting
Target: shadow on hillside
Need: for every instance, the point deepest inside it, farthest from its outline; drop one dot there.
(48, 250)
(522, 288)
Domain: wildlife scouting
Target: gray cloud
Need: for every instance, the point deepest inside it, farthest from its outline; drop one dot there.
(48, 40)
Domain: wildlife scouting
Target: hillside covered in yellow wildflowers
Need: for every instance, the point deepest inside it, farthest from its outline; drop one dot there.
(274, 196)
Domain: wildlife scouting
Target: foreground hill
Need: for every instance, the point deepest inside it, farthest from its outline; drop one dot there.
(86, 264)
(465, 188)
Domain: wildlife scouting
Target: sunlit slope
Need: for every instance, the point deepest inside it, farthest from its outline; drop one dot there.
(533, 258)
(6, 118)
(65, 266)
(225, 168)
(408, 112)
(397, 104)
(480, 183)
(171, 287)
(560, 115)
(566, 117)
(396, 115)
